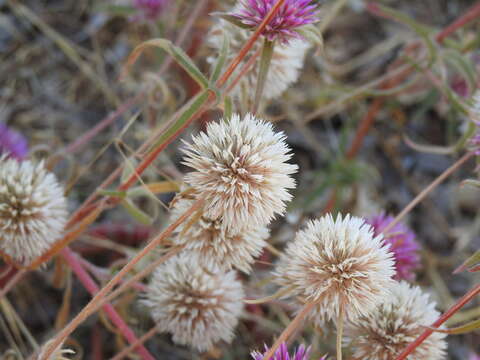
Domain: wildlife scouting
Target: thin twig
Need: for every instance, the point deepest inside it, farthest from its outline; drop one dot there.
(150, 333)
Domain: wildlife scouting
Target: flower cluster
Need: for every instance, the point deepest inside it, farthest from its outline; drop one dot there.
(402, 244)
(198, 305)
(12, 143)
(301, 353)
(33, 209)
(292, 15)
(399, 319)
(338, 264)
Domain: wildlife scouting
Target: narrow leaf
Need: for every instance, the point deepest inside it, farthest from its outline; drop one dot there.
(222, 57)
(136, 213)
(177, 53)
(469, 327)
(472, 261)
(231, 19)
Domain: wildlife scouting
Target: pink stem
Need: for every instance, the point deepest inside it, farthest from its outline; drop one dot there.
(92, 288)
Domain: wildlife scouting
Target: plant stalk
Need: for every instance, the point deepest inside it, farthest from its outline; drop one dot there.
(265, 60)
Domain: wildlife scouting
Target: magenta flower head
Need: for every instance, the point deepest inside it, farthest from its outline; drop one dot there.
(12, 143)
(284, 26)
(402, 245)
(150, 9)
(301, 353)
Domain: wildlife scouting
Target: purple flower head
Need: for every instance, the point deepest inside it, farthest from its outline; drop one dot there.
(291, 15)
(12, 142)
(301, 353)
(402, 244)
(150, 9)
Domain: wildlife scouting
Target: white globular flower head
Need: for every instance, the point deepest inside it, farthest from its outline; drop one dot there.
(33, 209)
(241, 170)
(215, 245)
(338, 264)
(398, 321)
(199, 306)
(285, 66)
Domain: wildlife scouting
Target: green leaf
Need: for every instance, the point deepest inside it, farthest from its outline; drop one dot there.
(115, 9)
(227, 112)
(113, 193)
(191, 108)
(469, 327)
(177, 53)
(222, 56)
(129, 168)
(472, 262)
(136, 213)
(231, 19)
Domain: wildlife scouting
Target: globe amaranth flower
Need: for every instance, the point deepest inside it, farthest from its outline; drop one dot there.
(398, 321)
(149, 9)
(12, 143)
(33, 209)
(214, 245)
(285, 66)
(199, 306)
(338, 264)
(301, 353)
(241, 170)
(402, 244)
(284, 26)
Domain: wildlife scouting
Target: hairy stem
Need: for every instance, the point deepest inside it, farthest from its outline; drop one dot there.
(93, 288)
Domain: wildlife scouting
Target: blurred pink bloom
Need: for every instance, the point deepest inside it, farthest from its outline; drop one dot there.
(13, 143)
(150, 9)
(402, 244)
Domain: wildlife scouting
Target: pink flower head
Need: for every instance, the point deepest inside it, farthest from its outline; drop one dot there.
(475, 143)
(12, 143)
(291, 15)
(402, 245)
(150, 9)
(301, 353)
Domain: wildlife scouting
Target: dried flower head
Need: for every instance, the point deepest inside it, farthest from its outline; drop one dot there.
(241, 169)
(301, 353)
(398, 320)
(214, 244)
(199, 306)
(339, 264)
(33, 209)
(284, 26)
(402, 244)
(149, 9)
(285, 66)
(12, 143)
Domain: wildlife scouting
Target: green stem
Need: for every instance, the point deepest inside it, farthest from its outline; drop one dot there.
(339, 333)
(265, 60)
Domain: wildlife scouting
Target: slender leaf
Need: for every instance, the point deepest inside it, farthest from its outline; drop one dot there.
(177, 53)
(136, 213)
(469, 327)
(222, 57)
(472, 261)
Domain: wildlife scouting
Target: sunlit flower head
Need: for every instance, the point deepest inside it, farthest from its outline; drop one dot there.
(339, 264)
(398, 321)
(33, 210)
(199, 306)
(240, 168)
(292, 15)
(402, 244)
(285, 66)
(214, 245)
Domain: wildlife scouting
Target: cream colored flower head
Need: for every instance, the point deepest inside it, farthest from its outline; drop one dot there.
(199, 306)
(338, 264)
(240, 168)
(214, 245)
(285, 67)
(398, 320)
(33, 209)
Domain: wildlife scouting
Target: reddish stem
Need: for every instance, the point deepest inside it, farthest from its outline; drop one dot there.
(93, 289)
(470, 15)
(457, 306)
